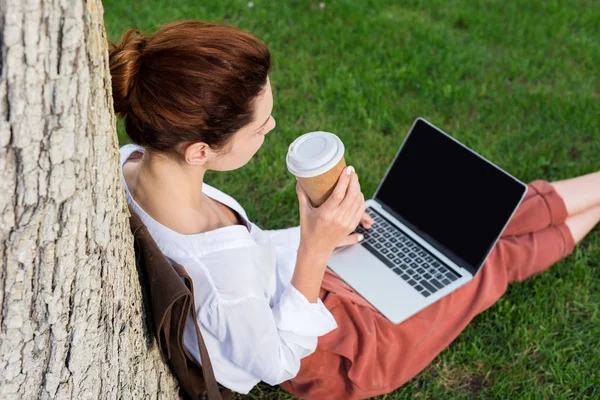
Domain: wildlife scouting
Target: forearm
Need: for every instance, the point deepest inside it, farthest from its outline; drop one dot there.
(309, 271)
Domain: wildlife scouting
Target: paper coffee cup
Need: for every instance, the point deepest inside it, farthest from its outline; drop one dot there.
(317, 160)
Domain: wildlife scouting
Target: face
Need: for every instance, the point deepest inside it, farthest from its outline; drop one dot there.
(244, 143)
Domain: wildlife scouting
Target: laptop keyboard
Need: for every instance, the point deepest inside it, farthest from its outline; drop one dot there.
(407, 258)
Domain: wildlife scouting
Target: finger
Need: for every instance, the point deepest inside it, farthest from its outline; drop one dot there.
(352, 193)
(351, 239)
(366, 220)
(339, 193)
(359, 209)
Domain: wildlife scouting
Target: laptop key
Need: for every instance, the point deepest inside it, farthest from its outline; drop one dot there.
(390, 256)
(419, 288)
(377, 254)
(428, 286)
(385, 251)
(393, 240)
(436, 283)
(451, 276)
(410, 272)
(446, 281)
(405, 277)
(425, 293)
(397, 261)
(396, 270)
(426, 276)
(412, 282)
(420, 270)
(378, 245)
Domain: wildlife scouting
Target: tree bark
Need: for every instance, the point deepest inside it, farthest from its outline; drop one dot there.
(72, 321)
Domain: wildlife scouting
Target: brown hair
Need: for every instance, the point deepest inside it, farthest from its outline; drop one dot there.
(190, 81)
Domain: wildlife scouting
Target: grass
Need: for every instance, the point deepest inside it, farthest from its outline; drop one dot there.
(517, 81)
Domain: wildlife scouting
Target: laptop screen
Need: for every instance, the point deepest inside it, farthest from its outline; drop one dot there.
(447, 193)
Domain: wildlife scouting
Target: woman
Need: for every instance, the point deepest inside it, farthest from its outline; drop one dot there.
(197, 96)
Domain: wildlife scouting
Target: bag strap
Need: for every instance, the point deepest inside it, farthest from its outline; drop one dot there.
(212, 386)
(172, 296)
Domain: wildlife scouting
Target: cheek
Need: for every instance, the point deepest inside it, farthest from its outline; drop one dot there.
(259, 142)
(252, 146)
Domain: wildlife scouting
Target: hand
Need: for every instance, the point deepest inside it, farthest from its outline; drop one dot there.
(323, 228)
(367, 222)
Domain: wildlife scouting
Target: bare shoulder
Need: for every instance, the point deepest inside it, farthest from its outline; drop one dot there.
(130, 166)
(133, 160)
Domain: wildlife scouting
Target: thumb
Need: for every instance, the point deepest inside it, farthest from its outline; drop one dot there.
(351, 239)
(302, 196)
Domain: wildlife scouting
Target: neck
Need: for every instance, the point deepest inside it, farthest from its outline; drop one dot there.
(173, 183)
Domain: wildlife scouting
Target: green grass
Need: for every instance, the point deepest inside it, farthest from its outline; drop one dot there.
(517, 81)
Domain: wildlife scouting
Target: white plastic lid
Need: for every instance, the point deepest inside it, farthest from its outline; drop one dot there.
(314, 153)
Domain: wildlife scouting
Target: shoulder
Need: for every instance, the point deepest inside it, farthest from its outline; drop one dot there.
(126, 151)
(224, 198)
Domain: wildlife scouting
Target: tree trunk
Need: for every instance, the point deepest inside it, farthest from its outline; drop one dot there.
(72, 321)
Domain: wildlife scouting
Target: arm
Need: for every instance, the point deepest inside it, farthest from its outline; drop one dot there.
(323, 228)
(266, 342)
(249, 335)
(308, 274)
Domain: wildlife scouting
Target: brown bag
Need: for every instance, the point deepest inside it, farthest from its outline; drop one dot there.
(170, 290)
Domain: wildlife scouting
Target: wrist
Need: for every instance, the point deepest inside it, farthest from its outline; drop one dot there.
(308, 274)
(314, 253)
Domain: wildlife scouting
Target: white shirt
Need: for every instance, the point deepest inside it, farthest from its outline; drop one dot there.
(256, 325)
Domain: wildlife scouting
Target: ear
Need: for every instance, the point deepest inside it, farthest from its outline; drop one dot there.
(197, 153)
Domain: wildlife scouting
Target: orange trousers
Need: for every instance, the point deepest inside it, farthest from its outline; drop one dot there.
(367, 355)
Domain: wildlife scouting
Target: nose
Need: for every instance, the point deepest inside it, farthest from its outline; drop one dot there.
(271, 125)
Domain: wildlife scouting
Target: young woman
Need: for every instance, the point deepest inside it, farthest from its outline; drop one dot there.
(195, 97)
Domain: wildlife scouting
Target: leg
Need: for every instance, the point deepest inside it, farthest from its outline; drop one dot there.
(581, 224)
(548, 204)
(541, 208)
(368, 356)
(580, 193)
(514, 258)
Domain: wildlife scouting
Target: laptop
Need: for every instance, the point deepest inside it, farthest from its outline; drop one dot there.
(437, 214)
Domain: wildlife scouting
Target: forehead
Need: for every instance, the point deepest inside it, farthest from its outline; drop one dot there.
(264, 102)
(268, 92)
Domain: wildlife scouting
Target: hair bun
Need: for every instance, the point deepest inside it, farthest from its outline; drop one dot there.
(124, 62)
